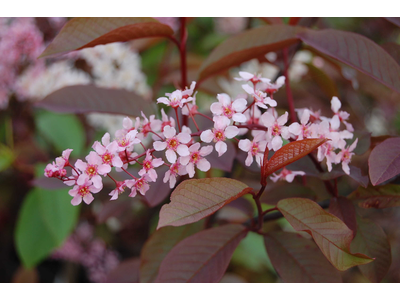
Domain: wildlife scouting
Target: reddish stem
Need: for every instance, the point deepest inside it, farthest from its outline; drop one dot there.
(287, 85)
(177, 119)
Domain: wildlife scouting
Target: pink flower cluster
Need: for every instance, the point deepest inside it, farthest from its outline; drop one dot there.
(21, 43)
(184, 151)
(92, 253)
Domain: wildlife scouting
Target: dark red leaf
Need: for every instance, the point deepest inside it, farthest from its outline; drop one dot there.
(202, 257)
(290, 153)
(395, 21)
(331, 235)
(384, 161)
(126, 272)
(356, 51)
(195, 199)
(284, 189)
(159, 190)
(297, 259)
(393, 49)
(372, 241)
(226, 163)
(80, 33)
(343, 208)
(158, 246)
(355, 173)
(247, 45)
(90, 98)
(377, 197)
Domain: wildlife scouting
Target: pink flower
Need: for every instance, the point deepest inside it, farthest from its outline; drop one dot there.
(274, 87)
(327, 151)
(148, 125)
(174, 170)
(261, 98)
(108, 151)
(345, 155)
(173, 143)
(219, 133)
(286, 175)
(178, 98)
(246, 76)
(254, 148)
(149, 164)
(166, 121)
(121, 185)
(342, 115)
(83, 191)
(63, 161)
(276, 128)
(225, 107)
(140, 185)
(301, 130)
(93, 169)
(196, 158)
(128, 141)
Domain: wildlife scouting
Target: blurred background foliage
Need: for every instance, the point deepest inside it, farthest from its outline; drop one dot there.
(45, 239)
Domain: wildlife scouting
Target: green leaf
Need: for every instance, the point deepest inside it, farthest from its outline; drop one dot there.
(196, 199)
(247, 45)
(372, 241)
(80, 33)
(331, 235)
(63, 131)
(90, 98)
(202, 257)
(298, 259)
(377, 196)
(158, 246)
(45, 220)
(6, 157)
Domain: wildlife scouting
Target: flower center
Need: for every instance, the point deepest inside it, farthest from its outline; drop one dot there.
(172, 143)
(195, 157)
(219, 135)
(107, 158)
(83, 191)
(254, 149)
(228, 112)
(276, 130)
(147, 165)
(91, 170)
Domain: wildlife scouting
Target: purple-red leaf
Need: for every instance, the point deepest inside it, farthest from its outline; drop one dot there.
(159, 190)
(80, 33)
(356, 51)
(297, 259)
(395, 21)
(195, 199)
(290, 153)
(343, 208)
(202, 257)
(247, 45)
(331, 235)
(384, 161)
(378, 196)
(393, 49)
(158, 246)
(355, 173)
(372, 241)
(126, 272)
(90, 98)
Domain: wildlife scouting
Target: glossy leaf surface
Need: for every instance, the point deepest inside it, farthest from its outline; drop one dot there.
(377, 197)
(298, 259)
(331, 235)
(202, 257)
(356, 51)
(90, 98)
(45, 220)
(372, 241)
(158, 245)
(384, 161)
(195, 199)
(290, 153)
(80, 33)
